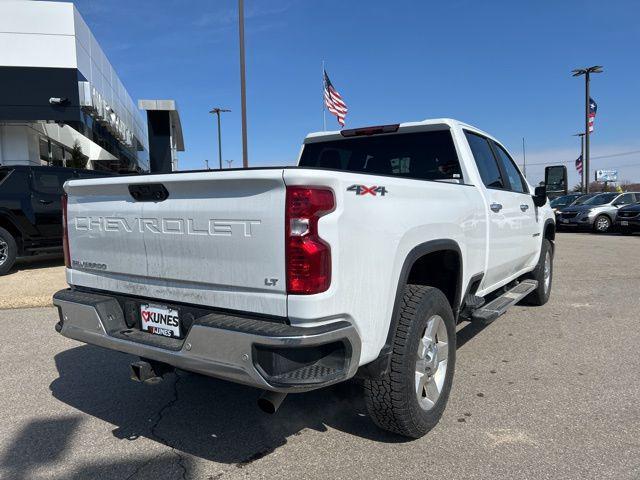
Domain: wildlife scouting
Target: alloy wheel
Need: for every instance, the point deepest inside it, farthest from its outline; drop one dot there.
(547, 272)
(431, 364)
(4, 251)
(602, 224)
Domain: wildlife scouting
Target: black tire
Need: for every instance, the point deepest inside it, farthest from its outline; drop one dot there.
(8, 251)
(392, 399)
(602, 224)
(541, 294)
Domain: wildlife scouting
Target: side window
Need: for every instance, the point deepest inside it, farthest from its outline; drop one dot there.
(50, 182)
(47, 182)
(485, 160)
(43, 145)
(57, 155)
(625, 199)
(518, 183)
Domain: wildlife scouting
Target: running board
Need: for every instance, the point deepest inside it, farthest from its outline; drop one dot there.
(492, 310)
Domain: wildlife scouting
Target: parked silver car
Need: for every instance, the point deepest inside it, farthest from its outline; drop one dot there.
(598, 212)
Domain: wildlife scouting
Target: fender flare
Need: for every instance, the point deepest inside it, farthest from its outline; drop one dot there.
(381, 364)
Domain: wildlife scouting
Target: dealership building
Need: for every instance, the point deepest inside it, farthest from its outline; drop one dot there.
(62, 103)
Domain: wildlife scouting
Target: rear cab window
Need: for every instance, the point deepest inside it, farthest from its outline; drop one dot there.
(429, 155)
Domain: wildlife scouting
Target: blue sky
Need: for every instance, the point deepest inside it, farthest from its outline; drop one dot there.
(503, 66)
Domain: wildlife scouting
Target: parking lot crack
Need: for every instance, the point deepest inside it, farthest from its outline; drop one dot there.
(155, 435)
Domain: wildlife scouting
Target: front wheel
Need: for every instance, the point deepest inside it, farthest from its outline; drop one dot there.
(543, 273)
(411, 397)
(602, 224)
(8, 251)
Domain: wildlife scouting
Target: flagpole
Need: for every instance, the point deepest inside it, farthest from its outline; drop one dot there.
(584, 188)
(324, 117)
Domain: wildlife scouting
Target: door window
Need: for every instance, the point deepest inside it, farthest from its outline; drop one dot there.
(485, 160)
(516, 181)
(625, 199)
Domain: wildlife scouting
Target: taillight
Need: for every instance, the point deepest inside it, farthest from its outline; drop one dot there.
(65, 236)
(308, 256)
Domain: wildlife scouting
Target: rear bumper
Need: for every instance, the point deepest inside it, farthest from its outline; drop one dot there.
(241, 349)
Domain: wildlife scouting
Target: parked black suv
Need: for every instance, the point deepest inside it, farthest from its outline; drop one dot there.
(30, 211)
(628, 219)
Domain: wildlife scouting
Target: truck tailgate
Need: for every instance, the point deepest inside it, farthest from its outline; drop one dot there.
(217, 240)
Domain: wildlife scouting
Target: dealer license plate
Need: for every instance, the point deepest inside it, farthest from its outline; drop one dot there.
(624, 223)
(160, 320)
(564, 220)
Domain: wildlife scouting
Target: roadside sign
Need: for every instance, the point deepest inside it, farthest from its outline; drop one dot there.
(606, 175)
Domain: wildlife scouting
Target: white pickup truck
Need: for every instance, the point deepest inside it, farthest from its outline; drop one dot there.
(359, 261)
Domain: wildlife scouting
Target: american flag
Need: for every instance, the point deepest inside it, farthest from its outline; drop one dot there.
(593, 108)
(579, 164)
(333, 100)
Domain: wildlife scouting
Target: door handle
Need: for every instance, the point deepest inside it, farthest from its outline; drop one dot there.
(46, 202)
(524, 207)
(495, 207)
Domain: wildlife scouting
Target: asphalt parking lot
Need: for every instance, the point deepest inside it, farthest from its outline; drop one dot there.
(546, 392)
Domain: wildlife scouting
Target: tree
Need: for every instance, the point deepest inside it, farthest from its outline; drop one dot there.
(78, 159)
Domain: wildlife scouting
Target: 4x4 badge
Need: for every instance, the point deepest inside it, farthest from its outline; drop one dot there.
(364, 190)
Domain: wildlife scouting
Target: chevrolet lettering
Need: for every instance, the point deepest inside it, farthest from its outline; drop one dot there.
(175, 226)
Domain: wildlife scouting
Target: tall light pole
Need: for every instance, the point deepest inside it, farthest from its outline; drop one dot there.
(524, 159)
(243, 93)
(229, 162)
(586, 72)
(217, 111)
(581, 135)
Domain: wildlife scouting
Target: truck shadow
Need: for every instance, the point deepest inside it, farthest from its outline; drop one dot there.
(44, 443)
(36, 262)
(200, 416)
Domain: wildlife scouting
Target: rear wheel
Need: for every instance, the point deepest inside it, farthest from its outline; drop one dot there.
(602, 224)
(8, 251)
(410, 399)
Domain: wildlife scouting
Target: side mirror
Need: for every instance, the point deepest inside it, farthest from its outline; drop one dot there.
(555, 179)
(540, 196)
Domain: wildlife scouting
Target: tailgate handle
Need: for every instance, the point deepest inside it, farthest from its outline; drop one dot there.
(149, 192)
